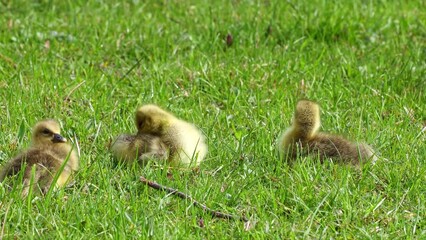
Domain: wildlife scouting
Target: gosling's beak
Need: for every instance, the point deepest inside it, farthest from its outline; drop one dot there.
(57, 138)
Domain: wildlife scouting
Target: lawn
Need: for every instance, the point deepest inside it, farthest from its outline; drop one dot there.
(235, 69)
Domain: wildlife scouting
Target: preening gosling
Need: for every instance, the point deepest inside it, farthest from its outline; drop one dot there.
(47, 153)
(185, 142)
(303, 138)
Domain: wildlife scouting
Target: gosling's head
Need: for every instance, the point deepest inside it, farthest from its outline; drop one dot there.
(152, 119)
(307, 116)
(47, 132)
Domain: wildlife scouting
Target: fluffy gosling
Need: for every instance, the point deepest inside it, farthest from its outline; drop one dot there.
(185, 142)
(303, 138)
(47, 153)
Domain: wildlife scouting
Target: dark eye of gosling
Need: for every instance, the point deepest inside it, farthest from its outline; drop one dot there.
(46, 131)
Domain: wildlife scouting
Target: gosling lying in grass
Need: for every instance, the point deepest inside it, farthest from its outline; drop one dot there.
(303, 138)
(185, 142)
(49, 155)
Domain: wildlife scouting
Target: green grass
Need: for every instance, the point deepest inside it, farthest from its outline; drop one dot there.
(363, 61)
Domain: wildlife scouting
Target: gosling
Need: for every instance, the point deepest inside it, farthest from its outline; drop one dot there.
(185, 142)
(48, 154)
(303, 138)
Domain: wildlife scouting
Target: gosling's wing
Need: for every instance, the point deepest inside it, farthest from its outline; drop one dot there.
(44, 159)
(337, 147)
(30, 157)
(154, 149)
(123, 147)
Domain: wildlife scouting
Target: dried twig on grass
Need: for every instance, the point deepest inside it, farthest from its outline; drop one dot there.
(195, 202)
